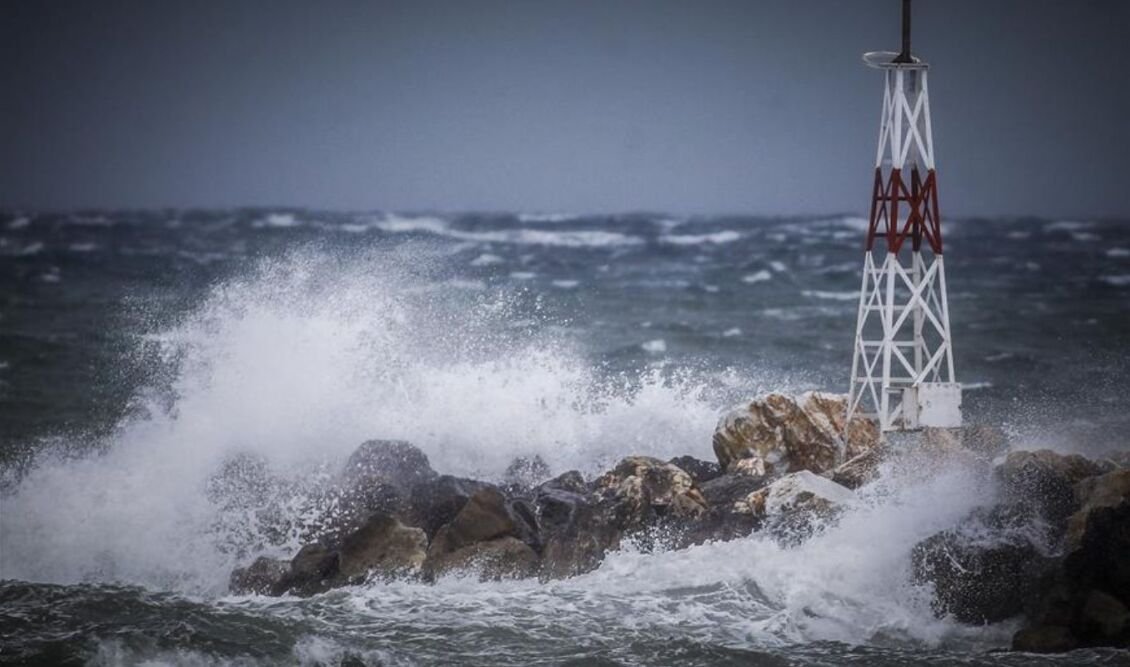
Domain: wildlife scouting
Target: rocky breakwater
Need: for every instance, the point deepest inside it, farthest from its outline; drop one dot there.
(1053, 550)
(388, 514)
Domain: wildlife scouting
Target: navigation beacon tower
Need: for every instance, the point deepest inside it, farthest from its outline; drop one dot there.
(902, 368)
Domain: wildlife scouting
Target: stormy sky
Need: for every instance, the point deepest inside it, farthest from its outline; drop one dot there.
(684, 107)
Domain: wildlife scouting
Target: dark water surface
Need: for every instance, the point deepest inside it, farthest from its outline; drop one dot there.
(140, 350)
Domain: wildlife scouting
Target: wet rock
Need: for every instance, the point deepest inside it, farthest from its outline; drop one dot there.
(571, 481)
(394, 463)
(984, 571)
(258, 578)
(798, 491)
(437, 501)
(699, 470)
(1109, 490)
(860, 470)
(525, 472)
(486, 516)
(640, 490)
(384, 547)
(575, 535)
(785, 434)
(1044, 639)
(501, 558)
(727, 489)
(312, 570)
(1044, 482)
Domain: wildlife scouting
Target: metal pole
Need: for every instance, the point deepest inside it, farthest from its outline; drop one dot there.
(904, 56)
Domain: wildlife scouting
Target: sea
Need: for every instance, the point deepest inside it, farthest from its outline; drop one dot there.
(140, 350)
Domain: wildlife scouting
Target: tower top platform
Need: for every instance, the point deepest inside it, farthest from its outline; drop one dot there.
(888, 60)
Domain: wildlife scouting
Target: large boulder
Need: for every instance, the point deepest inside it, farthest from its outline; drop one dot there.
(313, 570)
(500, 558)
(575, 535)
(1092, 493)
(1043, 483)
(642, 490)
(488, 516)
(699, 470)
(777, 434)
(435, 503)
(801, 491)
(1088, 603)
(985, 570)
(259, 578)
(382, 547)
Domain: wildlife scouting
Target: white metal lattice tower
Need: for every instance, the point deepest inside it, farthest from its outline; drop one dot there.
(902, 366)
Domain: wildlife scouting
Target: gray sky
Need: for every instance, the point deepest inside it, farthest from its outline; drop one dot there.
(686, 107)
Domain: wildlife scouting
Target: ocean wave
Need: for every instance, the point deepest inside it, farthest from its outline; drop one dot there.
(758, 277)
(833, 296)
(1116, 281)
(547, 217)
(561, 238)
(716, 238)
(277, 220)
(1118, 253)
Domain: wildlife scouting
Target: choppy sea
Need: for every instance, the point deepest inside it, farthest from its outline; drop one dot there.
(140, 349)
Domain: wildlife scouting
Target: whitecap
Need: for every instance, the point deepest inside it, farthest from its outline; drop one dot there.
(716, 238)
(713, 289)
(1118, 252)
(563, 238)
(355, 227)
(462, 283)
(731, 332)
(566, 284)
(1067, 226)
(1019, 235)
(279, 220)
(833, 296)
(82, 247)
(760, 276)
(1085, 237)
(523, 275)
(657, 346)
(486, 259)
(974, 386)
(1116, 281)
(779, 267)
(546, 217)
(19, 223)
(31, 249)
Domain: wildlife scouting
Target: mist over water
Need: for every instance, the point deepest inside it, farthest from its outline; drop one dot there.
(483, 339)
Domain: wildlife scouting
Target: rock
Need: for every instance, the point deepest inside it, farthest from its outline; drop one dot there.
(1044, 482)
(979, 580)
(699, 470)
(380, 476)
(640, 490)
(786, 434)
(501, 558)
(860, 470)
(437, 501)
(395, 463)
(575, 536)
(1044, 639)
(1105, 620)
(382, 546)
(727, 489)
(1109, 490)
(525, 472)
(486, 516)
(312, 571)
(571, 481)
(804, 491)
(984, 443)
(258, 578)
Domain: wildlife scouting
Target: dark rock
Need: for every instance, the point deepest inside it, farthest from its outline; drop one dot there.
(727, 489)
(1044, 639)
(486, 516)
(574, 534)
(525, 472)
(260, 577)
(436, 502)
(382, 546)
(395, 463)
(699, 470)
(860, 470)
(571, 481)
(1044, 482)
(312, 571)
(501, 558)
(1109, 490)
(980, 581)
